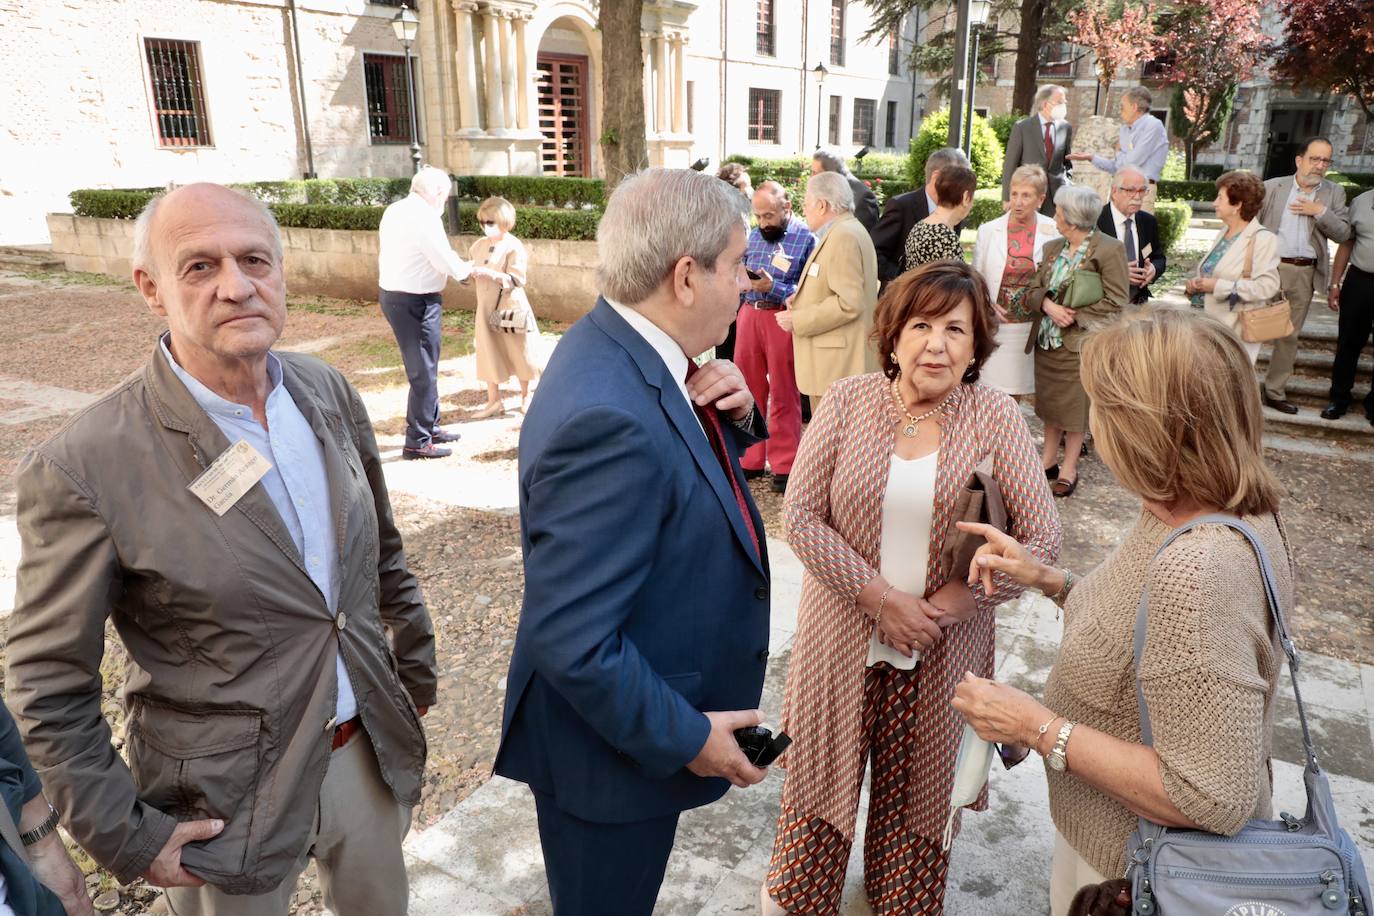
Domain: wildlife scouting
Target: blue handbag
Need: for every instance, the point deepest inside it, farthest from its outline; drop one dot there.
(1293, 866)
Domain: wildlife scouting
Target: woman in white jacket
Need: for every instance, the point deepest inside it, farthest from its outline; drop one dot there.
(1242, 269)
(1007, 254)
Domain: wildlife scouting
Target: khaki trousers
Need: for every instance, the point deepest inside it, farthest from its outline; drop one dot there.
(355, 842)
(1296, 284)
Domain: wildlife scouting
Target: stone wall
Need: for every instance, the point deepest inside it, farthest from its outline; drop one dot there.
(343, 264)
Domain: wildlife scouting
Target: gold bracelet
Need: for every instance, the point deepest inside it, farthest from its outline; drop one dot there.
(1063, 593)
(881, 601)
(1041, 733)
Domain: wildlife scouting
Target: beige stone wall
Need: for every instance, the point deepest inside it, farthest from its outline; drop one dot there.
(343, 264)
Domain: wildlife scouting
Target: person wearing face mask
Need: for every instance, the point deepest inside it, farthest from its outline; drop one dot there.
(414, 262)
(1044, 139)
(1305, 210)
(779, 247)
(936, 237)
(878, 656)
(506, 335)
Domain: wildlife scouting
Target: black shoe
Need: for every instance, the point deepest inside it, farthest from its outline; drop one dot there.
(1282, 405)
(751, 474)
(779, 484)
(1052, 473)
(442, 435)
(1334, 410)
(429, 451)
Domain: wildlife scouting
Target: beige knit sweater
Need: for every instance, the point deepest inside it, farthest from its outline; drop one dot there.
(1210, 667)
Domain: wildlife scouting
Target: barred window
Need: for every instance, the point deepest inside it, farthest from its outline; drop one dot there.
(1056, 59)
(764, 33)
(863, 122)
(837, 33)
(894, 50)
(388, 100)
(834, 132)
(763, 115)
(178, 92)
(891, 127)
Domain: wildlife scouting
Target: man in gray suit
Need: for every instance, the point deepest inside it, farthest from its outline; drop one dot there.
(1305, 211)
(1044, 139)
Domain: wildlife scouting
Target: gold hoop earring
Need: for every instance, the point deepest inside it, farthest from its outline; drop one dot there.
(893, 357)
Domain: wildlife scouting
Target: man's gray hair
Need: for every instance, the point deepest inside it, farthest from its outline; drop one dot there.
(143, 227)
(1140, 97)
(831, 161)
(1047, 92)
(431, 182)
(945, 158)
(656, 218)
(1080, 205)
(1125, 170)
(832, 189)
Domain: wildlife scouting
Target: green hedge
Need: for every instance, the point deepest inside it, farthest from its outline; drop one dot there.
(1173, 217)
(103, 204)
(987, 206)
(1207, 171)
(1187, 190)
(536, 191)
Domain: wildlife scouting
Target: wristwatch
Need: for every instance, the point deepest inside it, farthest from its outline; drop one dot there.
(1058, 758)
(48, 826)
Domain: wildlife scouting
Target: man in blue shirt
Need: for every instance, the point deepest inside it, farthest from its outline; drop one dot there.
(778, 248)
(1144, 143)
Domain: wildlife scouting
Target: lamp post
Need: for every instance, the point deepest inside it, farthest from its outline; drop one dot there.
(921, 101)
(406, 25)
(978, 15)
(820, 72)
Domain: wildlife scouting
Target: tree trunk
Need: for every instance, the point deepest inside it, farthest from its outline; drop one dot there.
(1189, 152)
(1028, 54)
(622, 90)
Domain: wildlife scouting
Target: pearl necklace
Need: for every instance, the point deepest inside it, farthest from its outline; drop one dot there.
(913, 422)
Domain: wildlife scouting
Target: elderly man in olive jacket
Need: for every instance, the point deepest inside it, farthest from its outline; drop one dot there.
(224, 508)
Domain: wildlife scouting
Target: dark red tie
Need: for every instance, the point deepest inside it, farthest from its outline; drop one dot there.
(1049, 144)
(710, 420)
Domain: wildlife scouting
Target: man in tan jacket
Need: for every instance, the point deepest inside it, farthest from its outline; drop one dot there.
(224, 508)
(831, 314)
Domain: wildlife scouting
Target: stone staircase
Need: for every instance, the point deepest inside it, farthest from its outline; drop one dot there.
(1310, 386)
(29, 257)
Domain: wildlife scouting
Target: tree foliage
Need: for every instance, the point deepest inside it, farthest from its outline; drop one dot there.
(1329, 45)
(986, 149)
(1120, 35)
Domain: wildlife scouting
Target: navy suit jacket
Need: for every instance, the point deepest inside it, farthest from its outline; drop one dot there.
(644, 605)
(1146, 233)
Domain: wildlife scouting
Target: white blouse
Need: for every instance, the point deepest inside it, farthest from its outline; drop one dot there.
(904, 550)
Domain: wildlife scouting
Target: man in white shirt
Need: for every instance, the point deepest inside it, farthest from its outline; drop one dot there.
(1144, 143)
(414, 262)
(1124, 219)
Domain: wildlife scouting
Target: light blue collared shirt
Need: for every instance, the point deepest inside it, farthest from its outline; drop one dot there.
(296, 483)
(1144, 145)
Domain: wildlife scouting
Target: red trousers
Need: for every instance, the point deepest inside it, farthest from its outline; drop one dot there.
(763, 352)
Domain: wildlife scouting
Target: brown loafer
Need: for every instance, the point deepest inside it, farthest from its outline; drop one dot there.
(1062, 488)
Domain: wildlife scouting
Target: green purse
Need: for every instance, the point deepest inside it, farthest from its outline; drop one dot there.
(1084, 288)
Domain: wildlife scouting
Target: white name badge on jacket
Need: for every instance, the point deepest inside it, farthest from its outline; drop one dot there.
(781, 262)
(815, 271)
(233, 474)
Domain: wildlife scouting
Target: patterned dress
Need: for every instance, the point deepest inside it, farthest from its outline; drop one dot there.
(1010, 368)
(932, 242)
(836, 708)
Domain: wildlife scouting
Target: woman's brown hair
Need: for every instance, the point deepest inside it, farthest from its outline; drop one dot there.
(953, 184)
(1244, 190)
(1176, 412)
(932, 290)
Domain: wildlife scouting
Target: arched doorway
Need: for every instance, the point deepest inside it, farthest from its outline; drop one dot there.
(566, 87)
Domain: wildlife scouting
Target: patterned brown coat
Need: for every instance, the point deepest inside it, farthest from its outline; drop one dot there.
(833, 515)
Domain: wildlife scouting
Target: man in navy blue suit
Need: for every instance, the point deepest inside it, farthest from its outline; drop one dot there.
(644, 632)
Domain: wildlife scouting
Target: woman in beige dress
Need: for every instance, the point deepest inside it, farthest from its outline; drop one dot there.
(502, 351)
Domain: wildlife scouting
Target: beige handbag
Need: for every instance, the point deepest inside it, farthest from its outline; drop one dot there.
(1270, 321)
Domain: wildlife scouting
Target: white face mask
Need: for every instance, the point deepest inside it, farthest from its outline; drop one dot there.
(1060, 111)
(491, 232)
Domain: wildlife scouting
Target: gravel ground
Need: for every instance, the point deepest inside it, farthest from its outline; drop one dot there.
(468, 561)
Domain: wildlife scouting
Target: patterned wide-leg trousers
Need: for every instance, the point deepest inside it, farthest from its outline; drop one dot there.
(903, 872)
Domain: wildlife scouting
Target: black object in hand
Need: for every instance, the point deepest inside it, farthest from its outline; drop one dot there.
(753, 274)
(761, 747)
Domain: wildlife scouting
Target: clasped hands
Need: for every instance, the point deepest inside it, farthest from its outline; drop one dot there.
(1060, 314)
(1200, 285)
(908, 622)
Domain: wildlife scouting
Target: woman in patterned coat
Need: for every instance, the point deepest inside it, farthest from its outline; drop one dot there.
(884, 634)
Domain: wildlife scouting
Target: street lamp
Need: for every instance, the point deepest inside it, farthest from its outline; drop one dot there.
(977, 17)
(921, 101)
(820, 72)
(406, 25)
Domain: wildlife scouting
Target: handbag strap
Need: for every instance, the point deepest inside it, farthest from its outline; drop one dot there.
(1275, 610)
(1234, 298)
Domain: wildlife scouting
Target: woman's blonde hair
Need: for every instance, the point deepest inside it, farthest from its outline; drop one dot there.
(1176, 411)
(499, 210)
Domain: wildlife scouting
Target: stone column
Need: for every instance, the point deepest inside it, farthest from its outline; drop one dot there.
(660, 83)
(507, 69)
(465, 66)
(491, 66)
(646, 43)
(523, 75)
(679, 85)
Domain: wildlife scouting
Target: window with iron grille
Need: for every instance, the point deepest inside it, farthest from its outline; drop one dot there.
(1158, 67)
(894, 51)
(890, 130)
(388, 99)
(1056, 59)
(763, 115)
(763, 36)
(837, 33)
(863, 122)
(178, 92)
(834, 132)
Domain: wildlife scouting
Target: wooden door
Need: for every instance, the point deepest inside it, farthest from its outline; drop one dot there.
(562, 85)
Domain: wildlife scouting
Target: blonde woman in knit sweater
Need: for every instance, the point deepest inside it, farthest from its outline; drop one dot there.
(1176, 416)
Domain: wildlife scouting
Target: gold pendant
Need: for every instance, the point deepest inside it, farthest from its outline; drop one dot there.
(909, 430)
